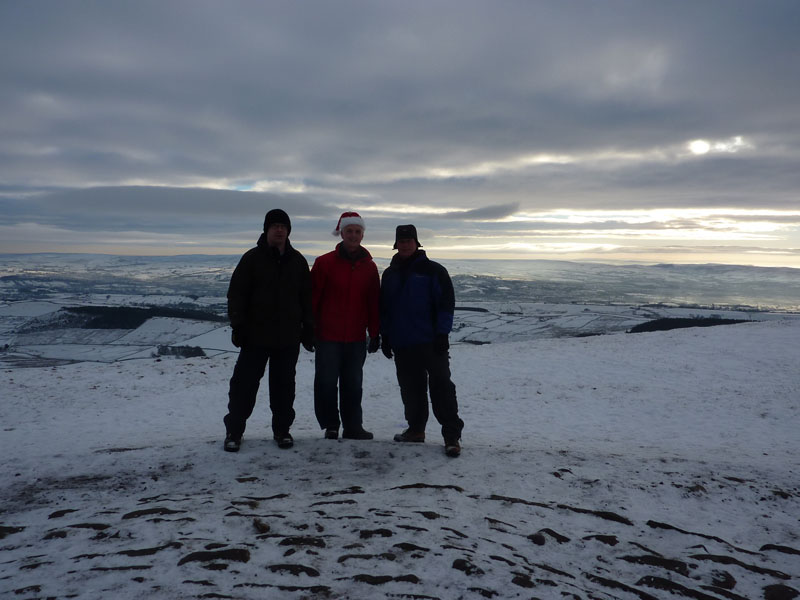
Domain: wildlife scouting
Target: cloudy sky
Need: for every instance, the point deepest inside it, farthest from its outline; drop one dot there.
(579, 130)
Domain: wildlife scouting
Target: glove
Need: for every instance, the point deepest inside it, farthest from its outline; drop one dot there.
(386, 348)
(440, 343)
(374, 344)
(236, 338)
(307, 338)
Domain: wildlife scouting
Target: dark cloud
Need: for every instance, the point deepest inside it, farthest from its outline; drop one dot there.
(156, 208)
(487, 212)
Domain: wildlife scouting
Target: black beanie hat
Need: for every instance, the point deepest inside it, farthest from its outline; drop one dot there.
(276, 215)
(405, 232)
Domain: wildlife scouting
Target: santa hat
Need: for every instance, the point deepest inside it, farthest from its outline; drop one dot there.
(348, 218)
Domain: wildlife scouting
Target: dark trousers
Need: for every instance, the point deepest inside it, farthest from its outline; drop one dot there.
(417, 368)
(247, 374)
(342, 364)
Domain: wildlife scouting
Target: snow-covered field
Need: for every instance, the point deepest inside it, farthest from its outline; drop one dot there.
(203, 279)
(656, 465)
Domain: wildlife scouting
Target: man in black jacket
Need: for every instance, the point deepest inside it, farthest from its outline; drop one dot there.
(269, 307)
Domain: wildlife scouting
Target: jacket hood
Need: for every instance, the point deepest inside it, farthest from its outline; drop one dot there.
(361, 254)
(399, 262)
(262, 243)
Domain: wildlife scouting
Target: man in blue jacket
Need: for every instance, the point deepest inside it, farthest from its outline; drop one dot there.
(417, 304)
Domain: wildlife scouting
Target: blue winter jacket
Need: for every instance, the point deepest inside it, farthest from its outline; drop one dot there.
(417, 301)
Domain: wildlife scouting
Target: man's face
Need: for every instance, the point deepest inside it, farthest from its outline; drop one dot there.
(277, 234)
(351, 237)
(406, 247)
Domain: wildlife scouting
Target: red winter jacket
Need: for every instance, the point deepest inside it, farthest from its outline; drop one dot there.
(344, 296)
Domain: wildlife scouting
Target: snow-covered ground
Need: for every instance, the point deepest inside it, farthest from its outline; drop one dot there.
(656, 465)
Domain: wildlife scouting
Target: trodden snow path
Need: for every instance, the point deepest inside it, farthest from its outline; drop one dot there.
(624, 466)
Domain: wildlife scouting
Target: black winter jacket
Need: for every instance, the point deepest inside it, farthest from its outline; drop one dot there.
(269, 297)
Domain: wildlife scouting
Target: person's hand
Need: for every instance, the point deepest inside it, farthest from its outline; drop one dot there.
(236, 338)
(307, 339)
(440, 343)
(374, 344)
(386, 348)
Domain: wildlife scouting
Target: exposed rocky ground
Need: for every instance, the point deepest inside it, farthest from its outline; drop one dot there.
(337, 519)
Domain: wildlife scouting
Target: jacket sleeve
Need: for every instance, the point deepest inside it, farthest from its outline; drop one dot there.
(383, 305)
(444, 300)
(373, 303)
(317, 287)
(239, 292)
(306, 303)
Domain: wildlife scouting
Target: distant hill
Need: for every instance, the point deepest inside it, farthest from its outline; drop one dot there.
(115, 317)
(679, 323)
(205, 279)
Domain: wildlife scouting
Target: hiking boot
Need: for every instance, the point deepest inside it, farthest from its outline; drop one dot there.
(410, 436)
(452, 448)
(331, 434)
(232, 444)
(357, 434)
(284, 440)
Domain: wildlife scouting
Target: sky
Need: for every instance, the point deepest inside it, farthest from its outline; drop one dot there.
(613, 131)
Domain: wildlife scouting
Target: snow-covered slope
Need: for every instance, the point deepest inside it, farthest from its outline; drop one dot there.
(46, 338)
(655, 465)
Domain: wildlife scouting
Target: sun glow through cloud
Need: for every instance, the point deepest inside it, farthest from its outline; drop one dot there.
(730, 146)
(699, 147)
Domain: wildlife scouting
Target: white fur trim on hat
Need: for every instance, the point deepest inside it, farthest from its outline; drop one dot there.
(348, 218)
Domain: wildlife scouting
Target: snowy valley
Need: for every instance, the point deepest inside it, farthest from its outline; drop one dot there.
(597, 464)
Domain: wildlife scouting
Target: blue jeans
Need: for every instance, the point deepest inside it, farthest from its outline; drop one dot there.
(342, 364)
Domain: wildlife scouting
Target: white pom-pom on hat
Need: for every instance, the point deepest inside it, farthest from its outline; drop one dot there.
(348, 218)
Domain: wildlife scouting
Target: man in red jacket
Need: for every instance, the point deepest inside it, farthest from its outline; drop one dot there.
(345, 293)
